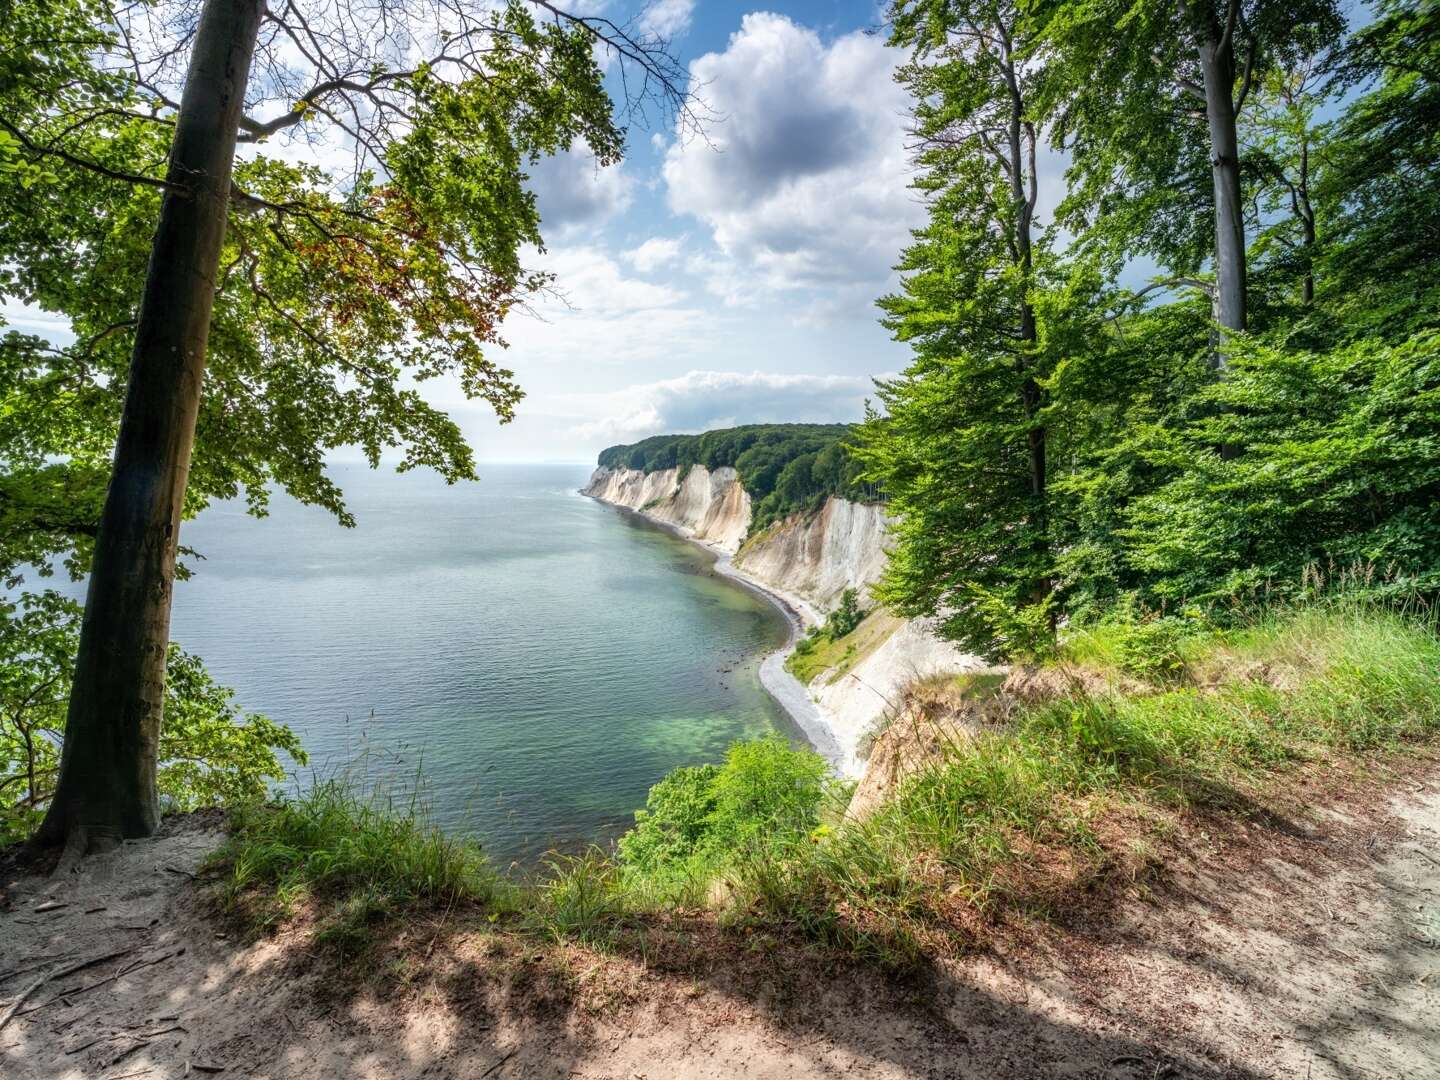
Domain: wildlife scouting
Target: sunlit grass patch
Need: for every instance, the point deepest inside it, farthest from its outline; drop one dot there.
(359, 859)
(1012, 819)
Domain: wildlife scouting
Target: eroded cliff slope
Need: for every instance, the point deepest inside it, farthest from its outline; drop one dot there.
(808, 560)
(708, 506)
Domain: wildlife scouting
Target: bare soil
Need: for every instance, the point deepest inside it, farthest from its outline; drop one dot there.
(1302, 943)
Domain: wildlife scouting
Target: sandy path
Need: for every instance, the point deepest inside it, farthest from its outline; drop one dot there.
(1307, 950)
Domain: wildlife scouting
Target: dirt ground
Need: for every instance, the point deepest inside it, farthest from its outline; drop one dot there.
(1303, 946)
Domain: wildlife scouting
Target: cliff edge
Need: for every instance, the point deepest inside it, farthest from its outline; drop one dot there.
(807, 560)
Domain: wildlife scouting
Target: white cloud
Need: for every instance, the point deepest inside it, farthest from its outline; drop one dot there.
(702, 400)
(654, 253)
(572, 189)
(598, 316)
(667, 18)
(591, 281)
(25, 318)
(806, 183)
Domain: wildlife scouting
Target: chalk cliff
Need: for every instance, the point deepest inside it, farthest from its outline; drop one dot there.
(808, 560)
(708, 506)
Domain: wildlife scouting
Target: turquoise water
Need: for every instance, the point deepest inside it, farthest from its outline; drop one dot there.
(540, 658)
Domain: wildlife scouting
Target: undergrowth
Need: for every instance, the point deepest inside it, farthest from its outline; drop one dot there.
(1012, 818)
(1020, 819)
(353, 861)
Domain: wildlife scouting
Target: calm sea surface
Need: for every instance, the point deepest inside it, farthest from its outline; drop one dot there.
(541, 659)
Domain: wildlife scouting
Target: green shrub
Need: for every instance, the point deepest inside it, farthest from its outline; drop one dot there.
(676, 819)
(845, 618)
(764, 789)
(1148, 646)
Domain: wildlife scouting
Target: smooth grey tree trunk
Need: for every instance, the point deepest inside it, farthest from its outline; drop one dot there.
(1306, 213)
(1217, 67)
(1019, 136)
(106, 789)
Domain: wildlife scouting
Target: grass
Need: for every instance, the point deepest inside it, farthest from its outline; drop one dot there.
(843, 653)
(1013, 820)
(352, 862)
(1020, 821)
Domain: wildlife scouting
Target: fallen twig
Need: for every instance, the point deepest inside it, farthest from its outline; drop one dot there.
(162, 1031)
(46, 962)
(86, 1045)
(123, 1054)
(15, 1005)
(496, 1066)
(65, 994)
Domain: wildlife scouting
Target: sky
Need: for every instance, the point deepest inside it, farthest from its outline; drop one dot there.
(710, 281)
(729, 279)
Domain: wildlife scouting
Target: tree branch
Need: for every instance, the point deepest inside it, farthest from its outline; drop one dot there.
(93, 166)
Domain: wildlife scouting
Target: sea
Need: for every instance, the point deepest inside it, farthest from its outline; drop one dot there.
(523, 660)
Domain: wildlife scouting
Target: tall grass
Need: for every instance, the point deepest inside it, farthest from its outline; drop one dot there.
(358, 860)
(1022, 818)
(1009, 819)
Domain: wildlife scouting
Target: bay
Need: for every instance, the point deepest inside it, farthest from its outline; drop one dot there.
(535, 658)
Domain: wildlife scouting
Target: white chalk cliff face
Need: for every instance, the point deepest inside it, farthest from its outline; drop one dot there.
(707, 506)
(808, 560)
(816, 557)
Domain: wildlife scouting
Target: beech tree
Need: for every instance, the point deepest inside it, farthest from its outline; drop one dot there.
(337, 287)
(1146, 100)
(1383, 174)
(1286, 136)
(964, 448)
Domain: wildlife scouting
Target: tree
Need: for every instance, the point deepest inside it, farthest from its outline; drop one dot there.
(210, 752)
(1383, 173)
(964, 450)
(1285, 134)
(415, 260)
(1146, 99)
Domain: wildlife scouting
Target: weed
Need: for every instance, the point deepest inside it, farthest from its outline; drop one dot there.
(360, 859)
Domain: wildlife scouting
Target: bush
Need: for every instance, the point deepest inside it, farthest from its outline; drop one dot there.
(845, 618)
(765, 789)
(1148, 646)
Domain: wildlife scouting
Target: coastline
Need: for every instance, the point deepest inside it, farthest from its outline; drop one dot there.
(787, 691)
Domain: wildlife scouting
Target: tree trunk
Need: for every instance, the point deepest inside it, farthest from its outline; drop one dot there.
(1022, 170)
(106, 790)
(1306, 213)
(1217, 66)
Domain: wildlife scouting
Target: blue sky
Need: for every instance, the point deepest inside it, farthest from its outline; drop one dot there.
(733, 280)
(706, 282)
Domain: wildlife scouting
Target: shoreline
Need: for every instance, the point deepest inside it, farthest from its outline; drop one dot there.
(784, 689)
